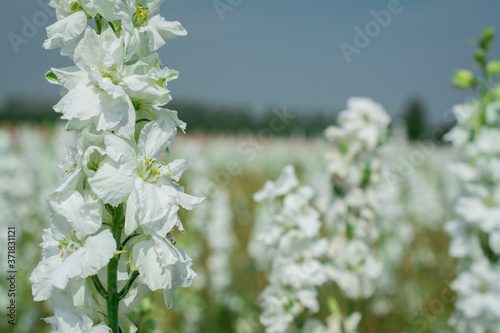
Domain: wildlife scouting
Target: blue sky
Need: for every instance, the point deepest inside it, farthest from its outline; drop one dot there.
(287, 53)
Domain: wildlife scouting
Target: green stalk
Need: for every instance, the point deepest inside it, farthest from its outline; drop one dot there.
(99, 287)
(112, 295)
(98, 23)
(127, 286)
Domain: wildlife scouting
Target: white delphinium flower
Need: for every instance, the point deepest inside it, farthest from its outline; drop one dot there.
(144, 29)
(282, 305)
(79, 305)
(70, 322)
(114, 215)
(103, 88)
(263, 244)
(71, 23)
(162, 266)
(74, 245)
(133, 173)
(478, 304)
(286, 241)
(353, 213)
(475, 230)
(355, 171)
(356, 269)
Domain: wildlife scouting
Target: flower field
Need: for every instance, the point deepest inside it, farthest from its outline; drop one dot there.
(412, 246)
(120, 219)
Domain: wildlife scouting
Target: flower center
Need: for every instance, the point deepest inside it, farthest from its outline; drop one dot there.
(150, 169)
(69, 245)
(171, 238)
(140, 16)
(111, 73)
(74, 6)
(71, 168)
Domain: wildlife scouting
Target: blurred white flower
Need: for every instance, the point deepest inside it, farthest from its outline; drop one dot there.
(74, 246)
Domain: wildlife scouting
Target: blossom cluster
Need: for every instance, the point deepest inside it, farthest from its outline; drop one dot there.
(351, 217)
(475, 231)
(113, 217)
(355, 171)
(286, 241)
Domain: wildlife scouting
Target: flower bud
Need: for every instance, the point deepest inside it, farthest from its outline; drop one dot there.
(486, 38)
(493, 68)
(480, 57)
(463, 79)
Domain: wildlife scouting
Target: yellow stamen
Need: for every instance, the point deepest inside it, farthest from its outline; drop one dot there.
(141, 15)
(75, 6)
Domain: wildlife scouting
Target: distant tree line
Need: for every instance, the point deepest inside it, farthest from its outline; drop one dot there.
(202, 117)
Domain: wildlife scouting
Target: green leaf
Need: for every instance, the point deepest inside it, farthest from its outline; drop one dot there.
(349, 229)
(51, 77)
(367, 174)
(344, 148)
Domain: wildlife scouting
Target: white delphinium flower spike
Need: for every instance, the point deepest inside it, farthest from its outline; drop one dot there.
(475, 230)
(355, 170)
(286, 242)
(115, 212)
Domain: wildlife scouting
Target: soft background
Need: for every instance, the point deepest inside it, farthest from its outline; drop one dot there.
(282, 54)
(286, 53)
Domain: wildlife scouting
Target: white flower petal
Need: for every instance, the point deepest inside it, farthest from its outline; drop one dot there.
(82, 103)
(111, 185)
(155, 137)
(66, 31)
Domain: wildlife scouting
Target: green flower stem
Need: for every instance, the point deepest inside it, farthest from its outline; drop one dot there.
(127, 286)
(99, 287)
(98, 23)
(112, 296)
(128, 238)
